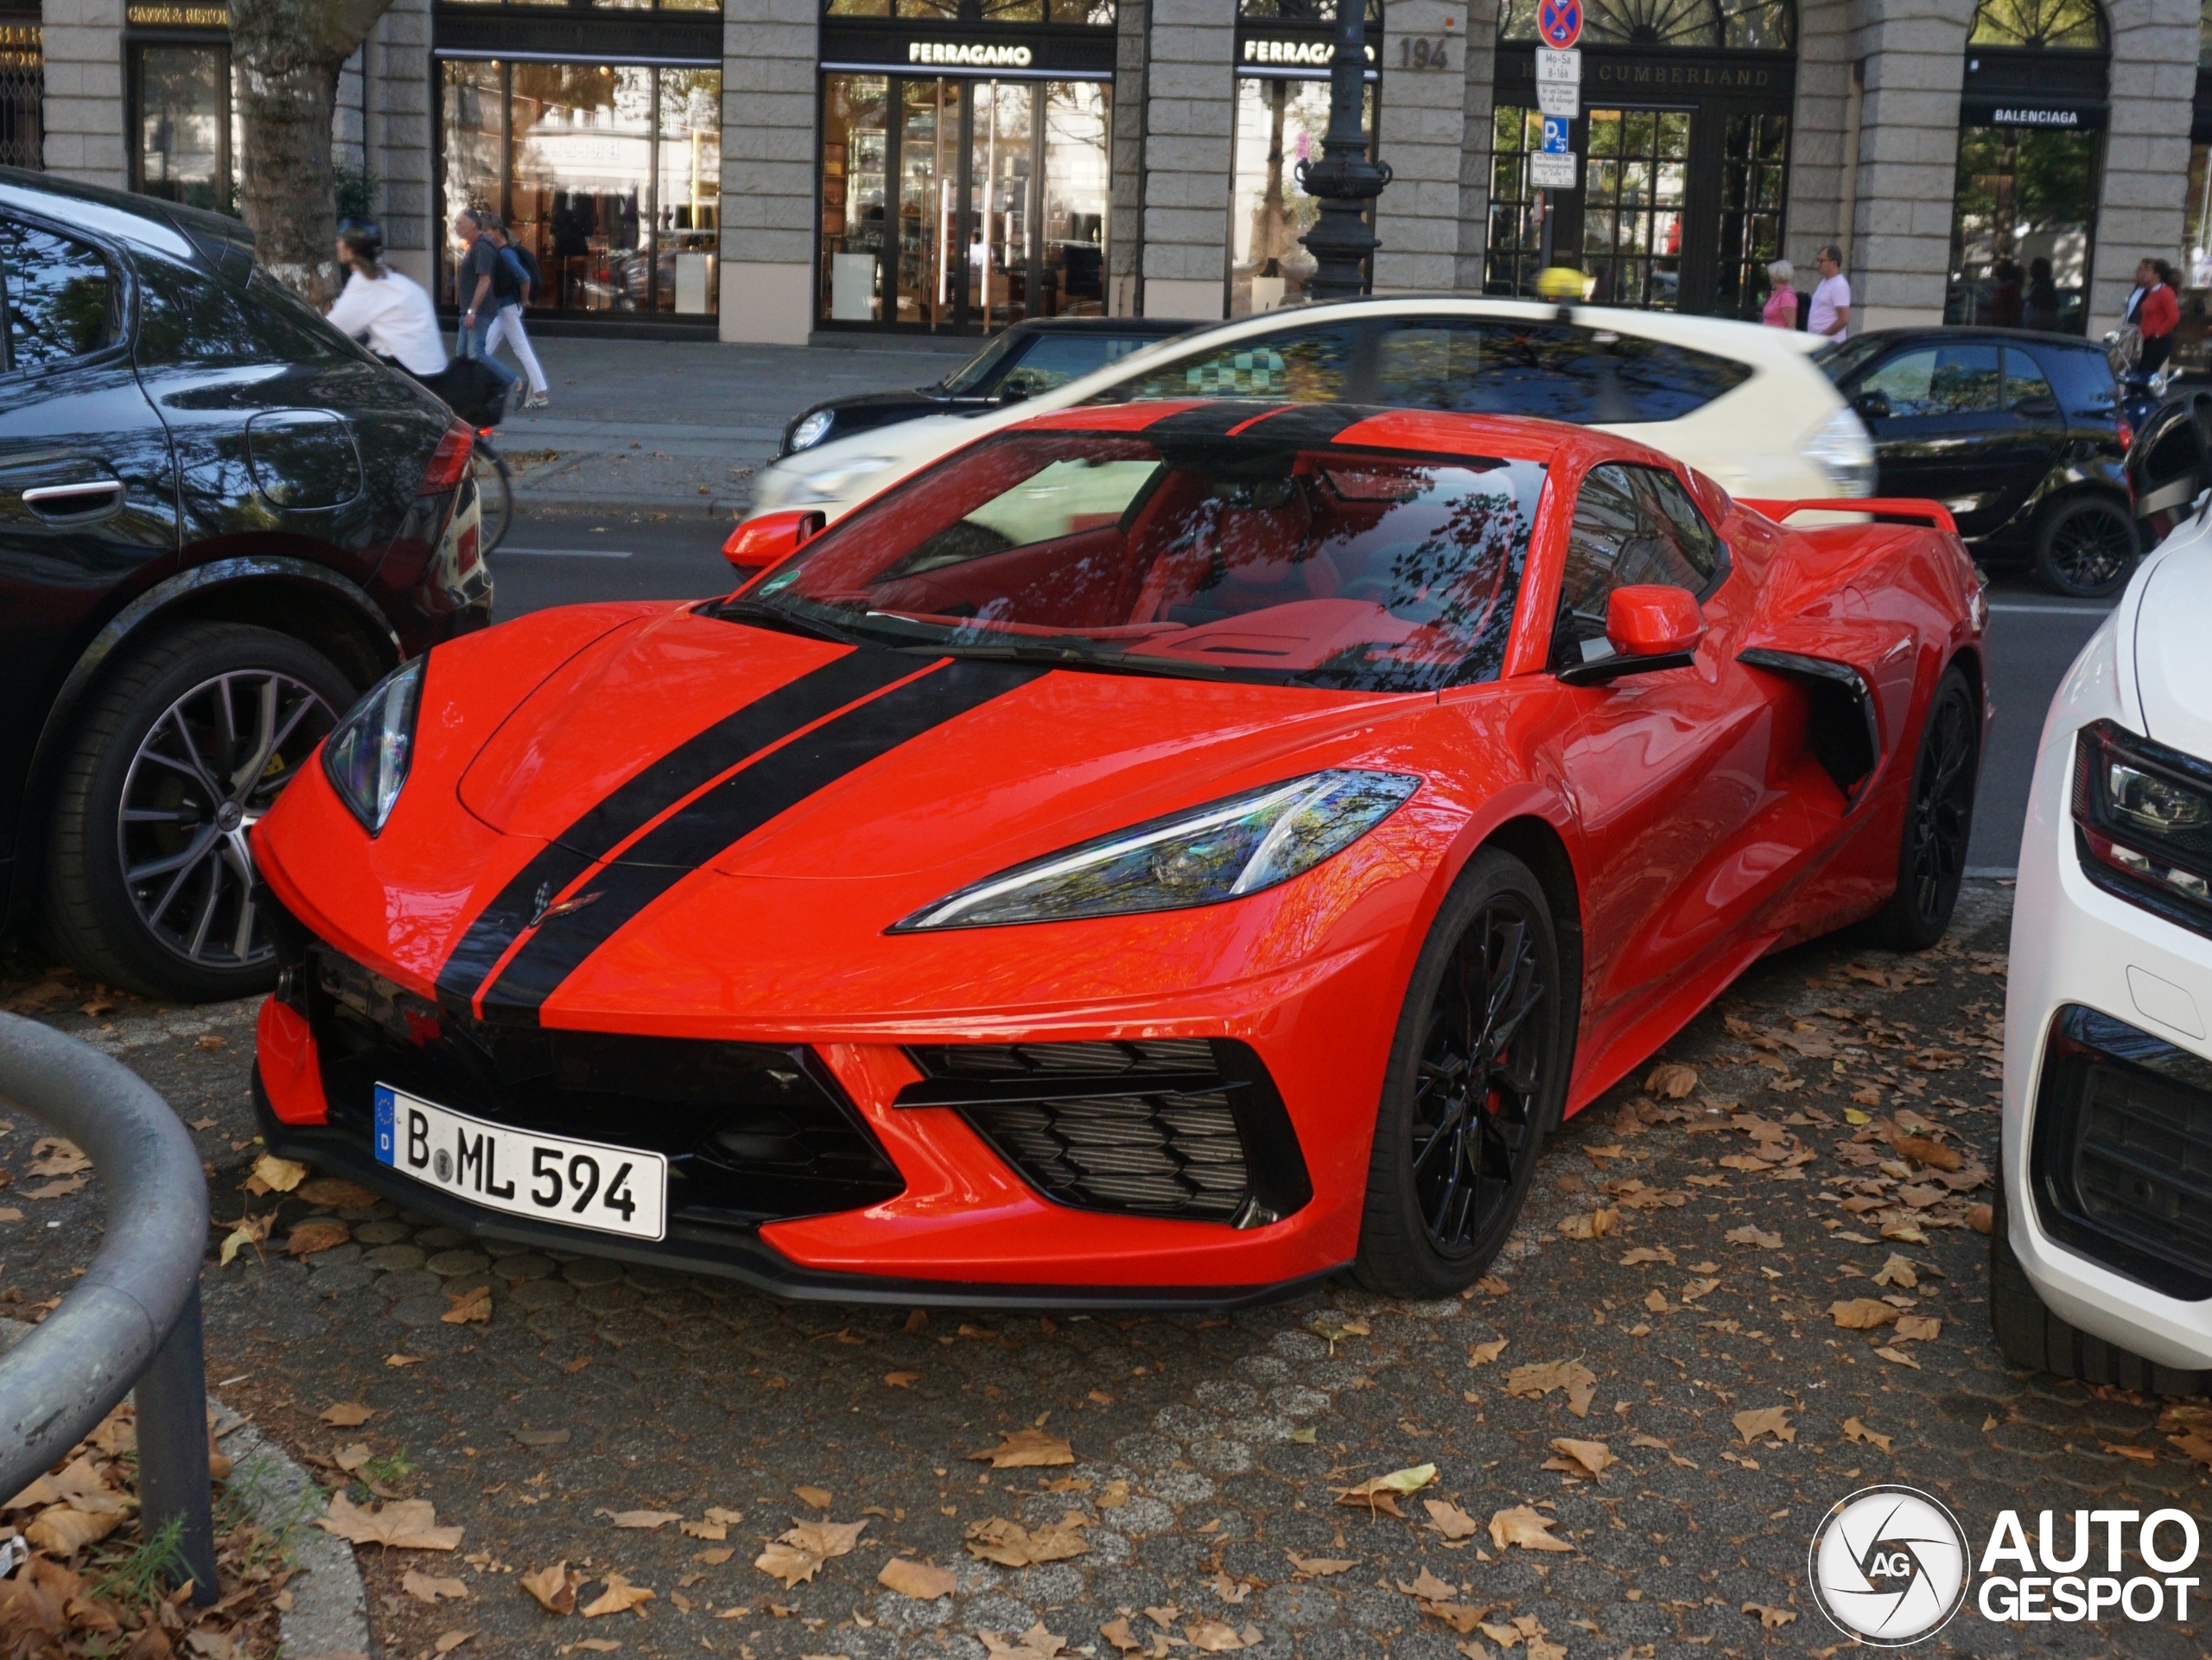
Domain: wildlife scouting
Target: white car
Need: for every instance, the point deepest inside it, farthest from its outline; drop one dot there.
(2101, 1261)
(1744, 404)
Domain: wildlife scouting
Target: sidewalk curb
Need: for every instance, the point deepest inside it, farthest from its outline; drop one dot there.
(329, 1616)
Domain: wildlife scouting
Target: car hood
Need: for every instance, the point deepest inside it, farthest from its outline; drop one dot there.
(2173, 672)
(690, 742)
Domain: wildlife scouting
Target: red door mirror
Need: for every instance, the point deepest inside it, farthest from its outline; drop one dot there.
(759, 543)
(1652, 620)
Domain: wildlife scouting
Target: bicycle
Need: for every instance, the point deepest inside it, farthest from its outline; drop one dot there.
(495, 492)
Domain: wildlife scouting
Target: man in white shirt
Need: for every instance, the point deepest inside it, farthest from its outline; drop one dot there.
(1830, 316)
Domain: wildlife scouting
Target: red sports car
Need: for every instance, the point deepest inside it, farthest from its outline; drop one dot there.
(1162, 854)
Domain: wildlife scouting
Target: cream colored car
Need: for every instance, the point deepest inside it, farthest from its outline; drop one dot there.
(1744, 404)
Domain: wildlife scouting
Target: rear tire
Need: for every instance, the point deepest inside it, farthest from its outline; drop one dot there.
(2031, 1337)
(1478, 1075)
(2086, 548)
(175, 755)
(1938, 819)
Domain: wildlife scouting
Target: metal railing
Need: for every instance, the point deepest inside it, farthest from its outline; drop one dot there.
(133, 1319)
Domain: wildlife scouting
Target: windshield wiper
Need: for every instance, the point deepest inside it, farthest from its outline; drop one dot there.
(1067, 656)
(769, 616)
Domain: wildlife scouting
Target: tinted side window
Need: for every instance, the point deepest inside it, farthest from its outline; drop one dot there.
(1631, 524)
(1055, 360)
(61, 296)
(2084, 381)
(1938, 380)
(2023, 379)
(1497, 367)
(1309, 365)
(1667, 382)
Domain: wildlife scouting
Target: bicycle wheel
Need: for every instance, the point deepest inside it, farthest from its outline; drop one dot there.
(495, 495)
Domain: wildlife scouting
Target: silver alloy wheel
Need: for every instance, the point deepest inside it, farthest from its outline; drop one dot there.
(202, 776)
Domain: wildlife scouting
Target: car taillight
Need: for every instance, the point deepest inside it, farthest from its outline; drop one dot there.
(448, 462)
(2126, 436)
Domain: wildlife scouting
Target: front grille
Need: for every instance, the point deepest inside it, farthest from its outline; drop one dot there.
(2122, 1151)
(1189, 1129)
(753, 1132)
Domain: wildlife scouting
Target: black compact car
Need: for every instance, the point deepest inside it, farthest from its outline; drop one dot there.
(220, 521)
(1021, 361)
(2020, 433)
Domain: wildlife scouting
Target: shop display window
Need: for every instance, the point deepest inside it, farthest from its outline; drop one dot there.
(2024, 222)
(185, 146)
(1279, 125)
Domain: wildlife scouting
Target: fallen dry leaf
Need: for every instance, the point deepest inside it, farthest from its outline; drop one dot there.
(247, 1231)
(1897, 1271)
(350, 1458)
(1589, 1458)
(1450, 1520)
(402, 1360)
(472, 1306)
(708, 1530)
(347, 1415)
(555, 1587)
(448, 1641)
(60, 1189)
(277, 1175)
(1481, 1354)
(1320, 1568)
(1754, 1422)
(1980, 1218)
(1643, 1253)
(1855, 1431)
(1117, 1633)
(798, 1553)
(1011, 1545)
(1212, 1636)
(1750, 1236)
(1918, 1328)
(900, 1380)
(1537, 1380)
(403, 1524)
(918, 1580)
(1921, 1150)
(308, 1238)
(1861, 1313)
(1670, 1082)
(425, 1588)
(1026, 1449)
(1595, 1225)
(817, 1497)
(1770, 1617)
(2140, 1454)
(1382, 1493)
(1898, 1357)
(651, 1520)
(1526, 1528)
(52, 1156)
(63, 1529)
(619, 1596)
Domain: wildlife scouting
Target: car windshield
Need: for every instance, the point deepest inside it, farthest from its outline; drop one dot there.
(1844, 359)
(976, 373)
(1205, 557)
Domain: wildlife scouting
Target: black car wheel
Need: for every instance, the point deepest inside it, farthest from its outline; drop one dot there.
(149, 881)
(1938, 819)
(1477, 1074)
(2086, 548)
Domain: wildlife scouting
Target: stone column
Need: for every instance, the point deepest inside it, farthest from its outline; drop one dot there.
(1125, 227)
(396, 60)
(769, 110)
(1478, 135)
(2147, 152)
(84, 119)
(1189, 122)
(1424, 129)
(1898, 254)
(1817, 212)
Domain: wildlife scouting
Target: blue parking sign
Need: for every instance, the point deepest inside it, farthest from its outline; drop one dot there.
(1555, 131)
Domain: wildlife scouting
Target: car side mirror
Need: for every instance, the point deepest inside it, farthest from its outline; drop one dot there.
(759, 543)
(1650, 626)
(1014, 392)
(1874, 405)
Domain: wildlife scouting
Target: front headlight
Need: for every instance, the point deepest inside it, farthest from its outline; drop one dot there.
(366, 758)
(1841, 449)
(1203, 856)
(2143, 822)
(813, 430)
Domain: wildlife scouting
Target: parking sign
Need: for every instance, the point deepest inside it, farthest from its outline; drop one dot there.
(1556, 128)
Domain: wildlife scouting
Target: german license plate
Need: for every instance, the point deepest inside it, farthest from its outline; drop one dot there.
(579, 1183)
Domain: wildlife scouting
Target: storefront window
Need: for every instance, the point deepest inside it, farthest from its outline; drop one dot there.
(1094, 13)
(1279, 125)
(610, 174)
(1638, 172)
(185, 150)
(1516, 248)
(2038, 25)
(2196, 219)
(2024, 227)
(1755, 155)
(1077, 197)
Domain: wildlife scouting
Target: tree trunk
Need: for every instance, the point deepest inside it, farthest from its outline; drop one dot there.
(289, 53)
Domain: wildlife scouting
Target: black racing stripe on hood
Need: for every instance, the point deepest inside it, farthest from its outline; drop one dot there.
(693, 763)
(736, 809)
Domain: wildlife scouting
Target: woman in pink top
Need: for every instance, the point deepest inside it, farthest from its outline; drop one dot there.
(1781, 310)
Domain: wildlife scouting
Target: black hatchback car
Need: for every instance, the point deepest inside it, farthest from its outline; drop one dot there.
(2018, 433)
(220, 521)
(1021, 361)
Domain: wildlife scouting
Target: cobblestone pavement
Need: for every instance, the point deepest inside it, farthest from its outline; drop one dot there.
(1207, 1449)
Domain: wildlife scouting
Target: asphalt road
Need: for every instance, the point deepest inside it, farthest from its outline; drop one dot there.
(561, 559)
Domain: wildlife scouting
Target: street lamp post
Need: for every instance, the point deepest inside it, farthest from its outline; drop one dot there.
(1344, 181)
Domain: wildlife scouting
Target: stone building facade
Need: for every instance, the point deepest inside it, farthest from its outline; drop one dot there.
(787, 169)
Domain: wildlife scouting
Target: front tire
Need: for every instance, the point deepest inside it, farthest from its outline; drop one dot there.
(149, 881)
(2086, 548)
(1478, 1075)
(1938, 819)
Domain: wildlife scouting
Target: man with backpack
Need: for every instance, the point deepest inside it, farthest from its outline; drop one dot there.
(512, 284)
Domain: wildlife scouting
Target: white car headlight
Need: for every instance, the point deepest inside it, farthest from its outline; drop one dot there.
(812, 431)
(1841, 449)
(366, 758)
(1202, 855)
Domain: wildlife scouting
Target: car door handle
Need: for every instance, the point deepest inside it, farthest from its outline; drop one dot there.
(57, 499)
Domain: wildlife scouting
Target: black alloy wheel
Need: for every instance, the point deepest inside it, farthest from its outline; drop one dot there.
(1938, 820)
(2086, 548)
(1478, 1075)
(150, 883)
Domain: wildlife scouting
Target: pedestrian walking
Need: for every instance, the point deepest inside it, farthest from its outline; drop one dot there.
(1781, 308)
(2158, 315)
(1830, 315)
(385, 307)
(520, 278)
(480, 265)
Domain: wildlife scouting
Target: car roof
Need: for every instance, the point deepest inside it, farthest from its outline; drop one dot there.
(1146, 327)
(1977, 331)
(169, 227)
(1360, 426)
